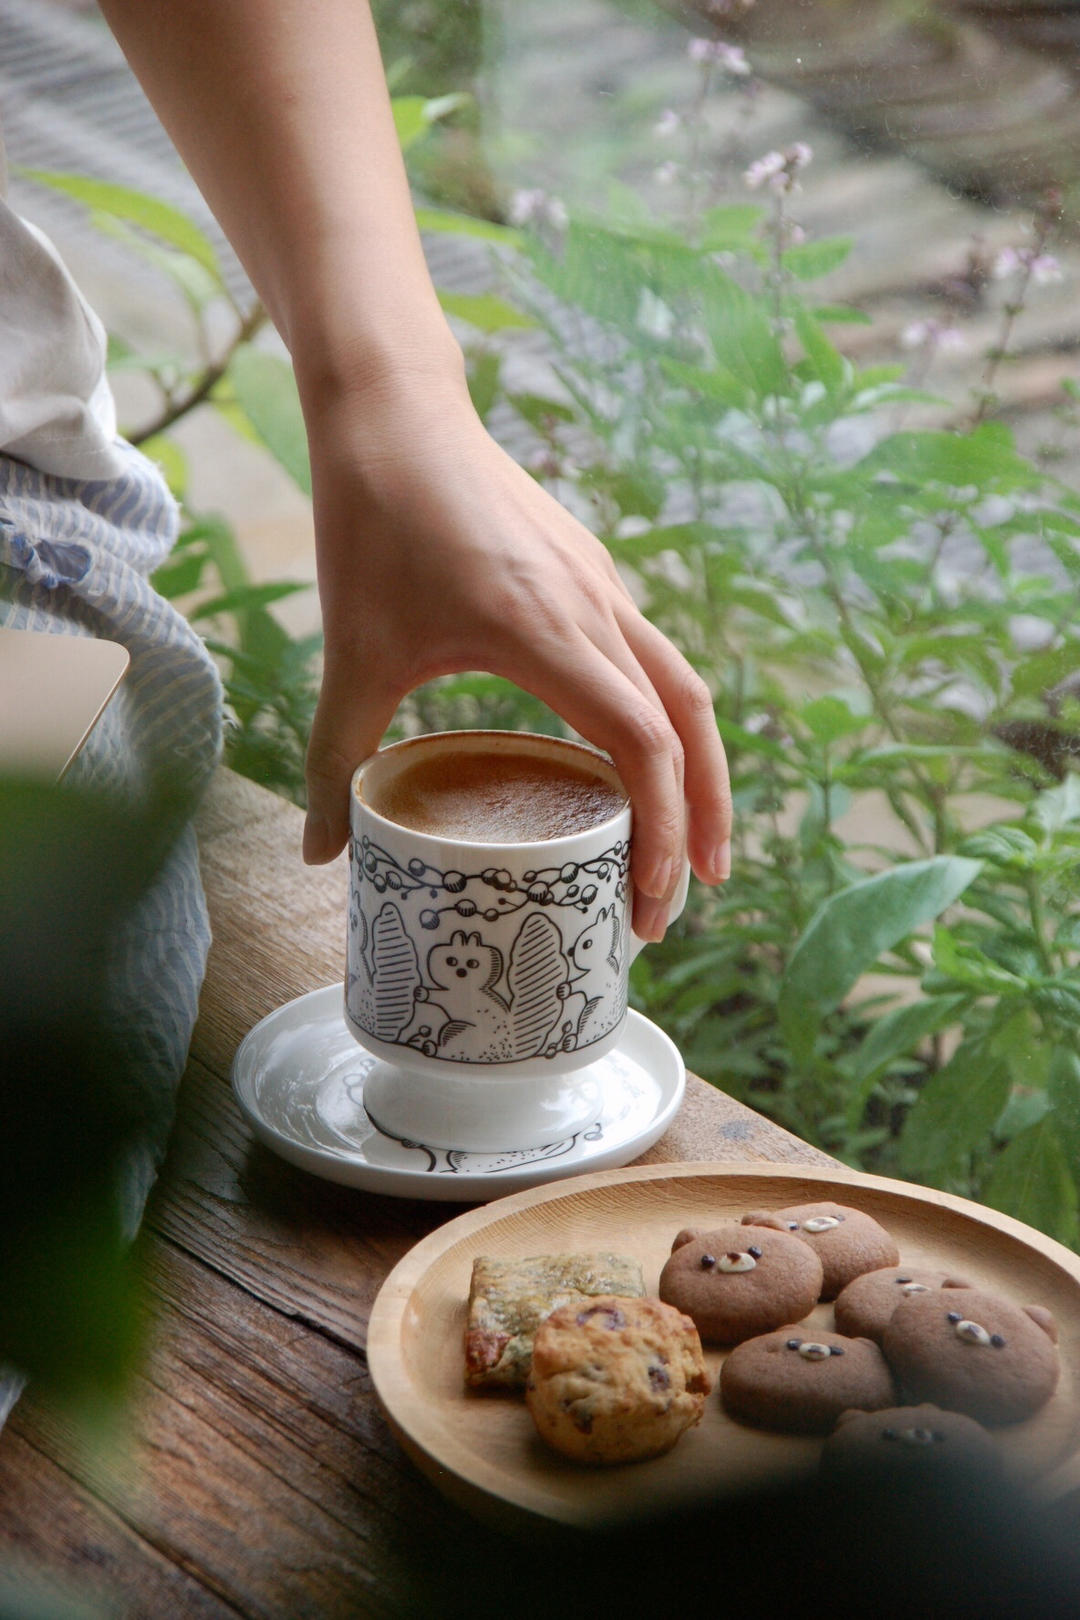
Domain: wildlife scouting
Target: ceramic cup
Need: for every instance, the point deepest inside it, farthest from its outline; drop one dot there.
(487, 978)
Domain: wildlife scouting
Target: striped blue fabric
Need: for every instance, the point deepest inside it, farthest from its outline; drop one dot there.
(75, 559)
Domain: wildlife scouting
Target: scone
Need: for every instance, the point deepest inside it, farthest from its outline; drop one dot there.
(735, 1284)
(616, 1380)
(975, 1353)
(508, 1298)
(846, 1241)
(799, 1381)
(909, 1441)
(865, 1306)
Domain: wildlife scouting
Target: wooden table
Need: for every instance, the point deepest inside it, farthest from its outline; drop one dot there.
(258, 1477)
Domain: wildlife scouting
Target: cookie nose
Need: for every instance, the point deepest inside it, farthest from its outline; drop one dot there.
(461, 973)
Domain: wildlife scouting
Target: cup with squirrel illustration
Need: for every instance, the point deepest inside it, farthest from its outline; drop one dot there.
(489, 935)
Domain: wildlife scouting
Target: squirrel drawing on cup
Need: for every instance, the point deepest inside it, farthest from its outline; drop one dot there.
(598, 978)
(476, 1019)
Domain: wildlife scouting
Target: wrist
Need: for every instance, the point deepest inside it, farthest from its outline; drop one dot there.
(402, 359)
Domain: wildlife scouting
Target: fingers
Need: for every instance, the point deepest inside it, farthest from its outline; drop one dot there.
(688, 702)
(621, 713)
(350, 719)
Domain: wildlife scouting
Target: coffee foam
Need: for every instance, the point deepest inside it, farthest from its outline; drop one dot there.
(496, 797)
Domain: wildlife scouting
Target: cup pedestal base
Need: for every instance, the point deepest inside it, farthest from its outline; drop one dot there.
(480, 1116)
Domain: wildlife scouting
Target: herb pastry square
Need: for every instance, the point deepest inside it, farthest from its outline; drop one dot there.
(508, 1299)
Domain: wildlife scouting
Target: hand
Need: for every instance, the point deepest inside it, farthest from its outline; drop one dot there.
(438, 554)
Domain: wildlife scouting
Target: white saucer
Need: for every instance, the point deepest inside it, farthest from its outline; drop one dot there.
(299, 1079)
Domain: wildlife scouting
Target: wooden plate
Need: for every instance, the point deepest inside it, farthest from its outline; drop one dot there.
(481, 1448)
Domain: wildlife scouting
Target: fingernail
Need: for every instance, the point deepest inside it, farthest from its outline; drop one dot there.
(722, 861)
(650, 918)
(660, 884)
(316, 839)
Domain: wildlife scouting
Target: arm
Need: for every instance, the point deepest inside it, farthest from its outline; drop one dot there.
(435, 552)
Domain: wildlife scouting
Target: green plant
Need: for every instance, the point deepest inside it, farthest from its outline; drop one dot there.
(854, 595)
(893, 970)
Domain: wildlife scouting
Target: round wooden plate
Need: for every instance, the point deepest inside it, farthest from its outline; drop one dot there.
(480, 1448)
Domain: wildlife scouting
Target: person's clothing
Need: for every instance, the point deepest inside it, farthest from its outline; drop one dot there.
(85, 519)
(75, 558)
(56, 410)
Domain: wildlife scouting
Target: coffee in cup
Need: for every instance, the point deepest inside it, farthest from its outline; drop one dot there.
(495, 795)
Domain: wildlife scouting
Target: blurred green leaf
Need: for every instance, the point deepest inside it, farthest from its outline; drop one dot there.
(1032, 1179)
(853, 928)
(266, 392)
(484, 311)
(954, 1114)
(166, 223)
(809, 260)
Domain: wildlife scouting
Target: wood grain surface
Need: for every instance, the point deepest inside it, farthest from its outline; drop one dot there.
(258, 1476)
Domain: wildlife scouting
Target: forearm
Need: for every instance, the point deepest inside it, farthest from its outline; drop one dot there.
(281, 113)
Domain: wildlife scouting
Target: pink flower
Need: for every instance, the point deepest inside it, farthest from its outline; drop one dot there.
(667, 174)
(667, 123)
(936, 336)
(729, 57)
(777, 170)
(537, 207)
(1043, 268)
(763, 169)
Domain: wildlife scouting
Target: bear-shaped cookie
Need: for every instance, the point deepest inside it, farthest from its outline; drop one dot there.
(847, 1241)
(735, 1283)
(975, 1352)
(799, 1380)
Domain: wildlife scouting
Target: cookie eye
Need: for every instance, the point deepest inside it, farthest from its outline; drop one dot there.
(707, 1262)
(793, 1344)
(953, 1316)
(972, 1332)
(997, 1341)
(736, 1262)
(472, 962)
(754, 1251)
(902, 1281)
(451, 961)
(793, 1226)
(836, 1349)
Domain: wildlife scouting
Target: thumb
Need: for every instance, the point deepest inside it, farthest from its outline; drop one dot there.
(349, 724)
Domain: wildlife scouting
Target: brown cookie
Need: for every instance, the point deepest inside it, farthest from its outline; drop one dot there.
(864, 1307)
(909, 1440)
(735, 1284)
(616, 1380)
(799, 1380)
(847, 1241)
(975, 1353)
